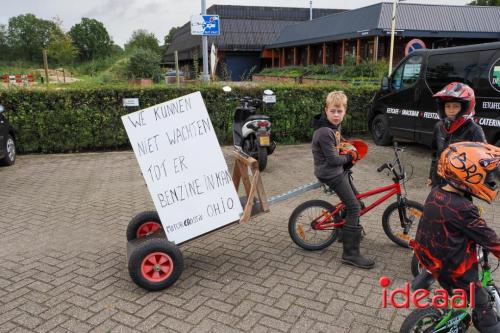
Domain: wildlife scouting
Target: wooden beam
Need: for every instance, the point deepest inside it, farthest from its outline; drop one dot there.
(375, 49)
(324, 53)
(282, 57)
(308, 55)
(295, 56)
(272, 58)
(358, 50)
(343, 53)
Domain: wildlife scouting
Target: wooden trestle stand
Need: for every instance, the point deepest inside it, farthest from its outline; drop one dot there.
(253, 184)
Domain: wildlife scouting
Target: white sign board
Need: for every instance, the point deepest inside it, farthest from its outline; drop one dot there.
(269, 99)
(130, 102)
(183, 166)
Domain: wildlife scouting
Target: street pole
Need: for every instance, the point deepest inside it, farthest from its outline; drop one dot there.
(392, 34)
(177, 75)
(46, 67)
(204, 42)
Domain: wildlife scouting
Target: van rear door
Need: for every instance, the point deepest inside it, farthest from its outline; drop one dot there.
(442, 69)
(487, 92)
(398, 104)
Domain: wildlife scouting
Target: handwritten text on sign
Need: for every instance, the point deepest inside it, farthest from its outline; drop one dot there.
(184, 168)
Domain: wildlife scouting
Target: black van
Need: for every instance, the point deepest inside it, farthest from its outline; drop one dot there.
(403, 108)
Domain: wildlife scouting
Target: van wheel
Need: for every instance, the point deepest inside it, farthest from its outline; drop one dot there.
(10, 151)
(380, 130)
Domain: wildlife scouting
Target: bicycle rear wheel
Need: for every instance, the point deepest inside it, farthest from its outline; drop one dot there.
(301, 225)
(394, 225)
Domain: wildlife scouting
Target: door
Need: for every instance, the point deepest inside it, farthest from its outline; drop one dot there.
(400, 102)
(441, 70)
(487, 91)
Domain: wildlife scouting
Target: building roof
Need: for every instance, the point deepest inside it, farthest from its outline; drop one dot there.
(243, 28)
(420, 20)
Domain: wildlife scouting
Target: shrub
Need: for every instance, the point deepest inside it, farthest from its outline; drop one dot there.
(144, 64)
(89, 118)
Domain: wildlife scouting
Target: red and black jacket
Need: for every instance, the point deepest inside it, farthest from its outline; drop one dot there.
(447, 235)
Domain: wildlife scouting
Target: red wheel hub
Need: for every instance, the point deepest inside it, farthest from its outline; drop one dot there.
(148, 228)
(157, 267)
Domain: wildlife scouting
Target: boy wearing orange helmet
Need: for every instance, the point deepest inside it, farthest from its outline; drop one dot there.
(455, 104)
(331, 158)
(451, 226)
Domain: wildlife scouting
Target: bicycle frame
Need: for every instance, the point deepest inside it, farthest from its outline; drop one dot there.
(324, 223)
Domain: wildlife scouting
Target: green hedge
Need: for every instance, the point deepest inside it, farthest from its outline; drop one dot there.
(57, 121)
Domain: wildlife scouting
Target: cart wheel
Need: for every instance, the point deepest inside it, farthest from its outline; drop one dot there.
(155, 264)
(144, 224)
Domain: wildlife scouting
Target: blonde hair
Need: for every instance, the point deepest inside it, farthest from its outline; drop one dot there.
(337, 97)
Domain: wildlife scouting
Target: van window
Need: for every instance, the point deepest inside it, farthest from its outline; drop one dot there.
(443, 69)
(486, 87)
(407, 73)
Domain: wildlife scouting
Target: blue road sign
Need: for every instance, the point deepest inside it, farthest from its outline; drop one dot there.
(211, 25)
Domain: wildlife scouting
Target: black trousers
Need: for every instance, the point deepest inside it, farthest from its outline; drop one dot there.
(342, 185)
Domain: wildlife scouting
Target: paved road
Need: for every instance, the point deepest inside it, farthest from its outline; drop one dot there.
(63, 269)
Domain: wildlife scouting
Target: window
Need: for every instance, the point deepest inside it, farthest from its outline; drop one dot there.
(407, 73)
(443, 69)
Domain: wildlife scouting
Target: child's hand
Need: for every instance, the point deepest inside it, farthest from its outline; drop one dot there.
(428, 182)
(354, 155)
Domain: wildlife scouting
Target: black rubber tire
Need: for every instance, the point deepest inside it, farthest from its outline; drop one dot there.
(262, 158)
(138, 220)
(331, 235)
(9, 160)
(416, 268)
(393, 209)
(147, 247)
(380, 130)
(413, 319)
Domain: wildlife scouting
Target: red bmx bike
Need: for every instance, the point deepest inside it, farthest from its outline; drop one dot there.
(315, 224)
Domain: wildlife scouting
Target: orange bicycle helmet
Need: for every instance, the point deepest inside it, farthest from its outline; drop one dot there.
(466, 166)
(358, 146)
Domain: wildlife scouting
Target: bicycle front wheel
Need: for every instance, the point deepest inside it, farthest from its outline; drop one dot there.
(399, 230)
(421, 320)
(301, 225)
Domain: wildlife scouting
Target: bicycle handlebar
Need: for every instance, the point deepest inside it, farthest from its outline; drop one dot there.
(399, 174)
(382, 167)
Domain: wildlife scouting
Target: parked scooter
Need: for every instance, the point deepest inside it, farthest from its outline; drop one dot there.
(252, 131)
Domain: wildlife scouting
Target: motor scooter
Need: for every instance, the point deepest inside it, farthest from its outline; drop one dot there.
(251, 130)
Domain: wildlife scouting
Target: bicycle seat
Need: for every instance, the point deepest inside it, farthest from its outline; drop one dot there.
(258, 117)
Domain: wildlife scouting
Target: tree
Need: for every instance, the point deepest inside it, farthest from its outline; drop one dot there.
(4, 54)
(91, 39)
(142, 39)
(485, 3)
(168, 38)
(61, 49)
(28, 35)
(144, 64)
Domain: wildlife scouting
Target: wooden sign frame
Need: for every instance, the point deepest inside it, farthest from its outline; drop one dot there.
(252, 183)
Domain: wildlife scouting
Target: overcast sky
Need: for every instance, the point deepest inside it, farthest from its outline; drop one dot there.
(122, 17)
